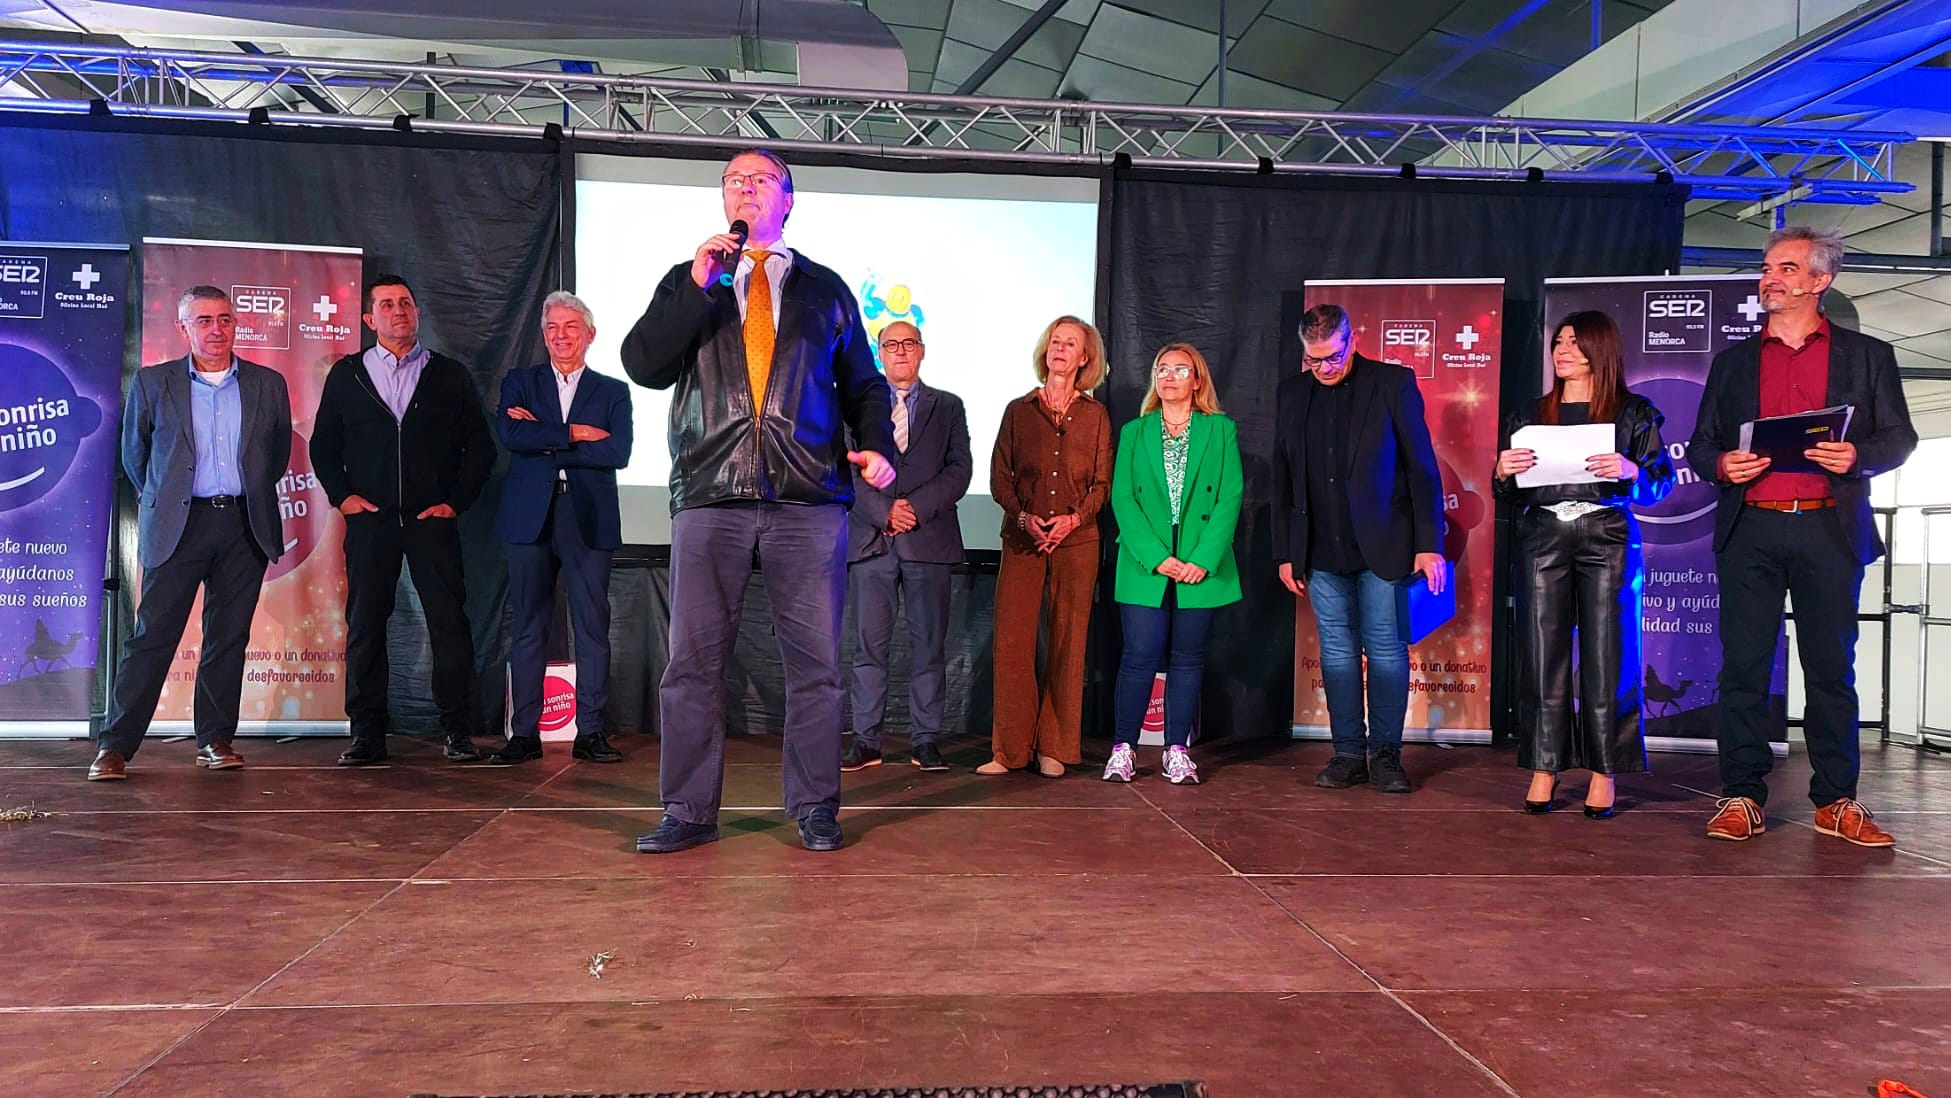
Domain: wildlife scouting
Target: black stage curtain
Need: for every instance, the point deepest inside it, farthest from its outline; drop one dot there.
(755, 702)
(473, 224)
(1221, 263)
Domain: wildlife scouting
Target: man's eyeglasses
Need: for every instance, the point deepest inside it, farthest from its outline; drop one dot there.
(900, 344)
(1172, 373)
(736, 181)
(1310, 362)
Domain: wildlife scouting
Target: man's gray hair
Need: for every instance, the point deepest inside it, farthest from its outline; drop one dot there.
(197, 293)
(563, 299)
(1323, 322)
(1825, 247)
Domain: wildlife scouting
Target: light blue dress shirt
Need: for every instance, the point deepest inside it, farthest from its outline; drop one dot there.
(396, 377)
(217, 417)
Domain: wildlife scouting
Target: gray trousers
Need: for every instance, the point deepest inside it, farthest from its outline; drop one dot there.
(803, 551)
(880, 584)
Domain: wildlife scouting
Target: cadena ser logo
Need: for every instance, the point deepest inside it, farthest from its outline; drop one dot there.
(23, 286)
(1410, 343)
(42, 423)
(263, 316)
(1677, 321)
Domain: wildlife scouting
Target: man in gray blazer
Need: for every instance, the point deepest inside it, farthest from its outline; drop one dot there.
(902, 542)
(205, 439)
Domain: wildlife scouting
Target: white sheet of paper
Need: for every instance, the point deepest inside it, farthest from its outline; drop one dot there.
(1562, 452)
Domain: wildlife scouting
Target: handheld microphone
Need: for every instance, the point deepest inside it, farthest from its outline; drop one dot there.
(729, 261)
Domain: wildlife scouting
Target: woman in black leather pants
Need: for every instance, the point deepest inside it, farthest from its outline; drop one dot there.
(1577, 556)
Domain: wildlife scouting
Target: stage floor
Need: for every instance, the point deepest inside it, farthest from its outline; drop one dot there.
(295, 928)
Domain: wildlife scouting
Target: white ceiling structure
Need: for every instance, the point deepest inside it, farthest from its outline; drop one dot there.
(1438, 57)
(1399, 56)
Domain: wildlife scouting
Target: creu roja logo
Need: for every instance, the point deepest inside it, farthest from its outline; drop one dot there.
(42, 423)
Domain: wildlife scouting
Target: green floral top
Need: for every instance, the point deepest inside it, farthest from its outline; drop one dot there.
(1175, 467)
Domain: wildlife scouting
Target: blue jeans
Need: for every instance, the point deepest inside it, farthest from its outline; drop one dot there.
(1147, 631)
(1355, 614)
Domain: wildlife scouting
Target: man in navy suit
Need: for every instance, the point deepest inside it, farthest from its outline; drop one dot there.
(567, 430)
(1803, 533)
(205, 439)
(902, 542)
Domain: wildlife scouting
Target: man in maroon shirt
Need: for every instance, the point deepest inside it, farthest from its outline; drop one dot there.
(1805, 534)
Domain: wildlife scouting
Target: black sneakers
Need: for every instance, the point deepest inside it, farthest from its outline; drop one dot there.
(857, 757)
(1385, 771)
(1343, 771)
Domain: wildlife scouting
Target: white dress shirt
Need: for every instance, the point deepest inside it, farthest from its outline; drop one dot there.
(778, 260)
(565, 392)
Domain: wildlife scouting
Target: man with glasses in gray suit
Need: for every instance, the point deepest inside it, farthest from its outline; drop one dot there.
(204, 439)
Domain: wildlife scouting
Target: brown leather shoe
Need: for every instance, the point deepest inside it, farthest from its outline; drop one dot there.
(1849, 821)
(219, 756)
(1738, 820)
(109, 766)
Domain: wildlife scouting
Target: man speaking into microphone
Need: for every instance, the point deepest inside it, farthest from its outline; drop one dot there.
(770, 369)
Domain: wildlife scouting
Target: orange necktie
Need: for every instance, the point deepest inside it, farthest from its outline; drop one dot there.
(759, 331)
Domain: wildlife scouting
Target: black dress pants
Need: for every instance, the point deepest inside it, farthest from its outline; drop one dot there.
(376, 542)
(218, 556)
(1770, 554)
(1579, 579)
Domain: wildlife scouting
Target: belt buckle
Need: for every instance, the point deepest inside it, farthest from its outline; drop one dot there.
(1572, 510)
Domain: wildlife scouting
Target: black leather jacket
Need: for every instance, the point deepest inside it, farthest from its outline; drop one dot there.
(1636, 434)
(823, 381)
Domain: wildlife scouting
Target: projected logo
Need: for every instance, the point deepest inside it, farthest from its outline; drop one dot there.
(882, 307)
(263, 316)
(302, 507)
(1411, 343)
(42, 423)
(1677, 321)
(23, 286)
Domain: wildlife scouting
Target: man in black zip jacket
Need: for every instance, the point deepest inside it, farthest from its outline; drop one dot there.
(401, 447)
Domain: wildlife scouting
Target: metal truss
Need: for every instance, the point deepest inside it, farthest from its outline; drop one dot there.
(1718, 162)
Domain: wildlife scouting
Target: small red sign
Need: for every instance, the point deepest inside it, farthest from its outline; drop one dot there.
(558, 703)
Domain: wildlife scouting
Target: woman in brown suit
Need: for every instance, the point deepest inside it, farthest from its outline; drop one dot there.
(1051, 474)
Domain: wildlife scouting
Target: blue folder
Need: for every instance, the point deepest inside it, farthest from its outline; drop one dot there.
(1420, 613)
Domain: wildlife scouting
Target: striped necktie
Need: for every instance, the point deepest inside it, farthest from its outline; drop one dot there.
(759, 330)
(901, 420)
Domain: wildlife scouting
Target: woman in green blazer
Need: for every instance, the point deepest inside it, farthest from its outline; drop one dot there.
(1176, 492)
